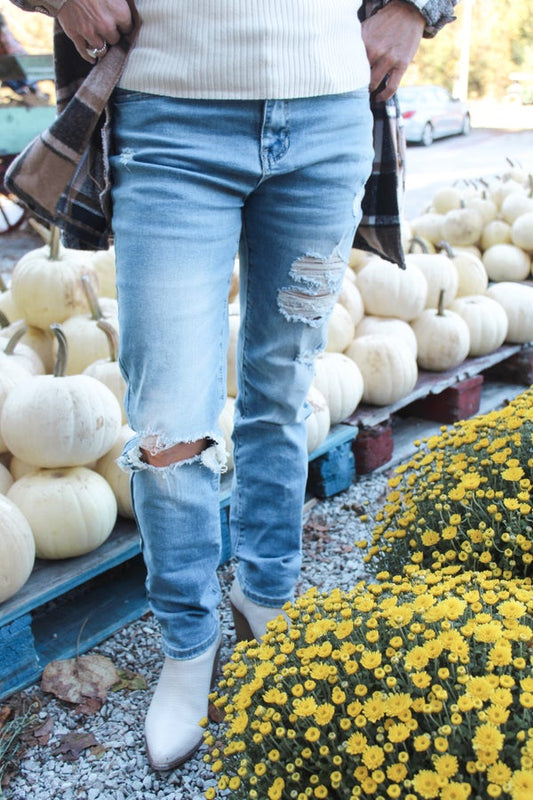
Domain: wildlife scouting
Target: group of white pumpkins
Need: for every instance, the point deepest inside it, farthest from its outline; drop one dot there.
(464, 293)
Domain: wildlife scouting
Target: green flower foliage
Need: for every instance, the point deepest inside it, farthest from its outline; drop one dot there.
(464, 498)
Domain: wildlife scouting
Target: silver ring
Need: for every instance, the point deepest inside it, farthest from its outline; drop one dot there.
(97, 52)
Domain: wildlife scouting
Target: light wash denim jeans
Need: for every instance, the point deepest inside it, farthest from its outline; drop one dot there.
(194, 182)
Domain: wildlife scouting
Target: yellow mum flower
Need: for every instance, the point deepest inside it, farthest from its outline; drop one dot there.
(487, 738)
(356, 744)
(305, 707)
(373, 757)
(522, 785)
(324, 714)
(398, 732)
(513, 474)
(370, 659)
(499, 773)
(312, 734)
(427, 784)
(275, 696)
(446, 765)
(456, 791)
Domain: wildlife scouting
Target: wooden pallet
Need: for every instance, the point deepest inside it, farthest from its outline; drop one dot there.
(103, 590)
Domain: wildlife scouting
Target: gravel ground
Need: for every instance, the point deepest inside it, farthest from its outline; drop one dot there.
(115, 767)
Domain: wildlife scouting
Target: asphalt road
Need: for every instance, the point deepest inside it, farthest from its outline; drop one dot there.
(498, 133)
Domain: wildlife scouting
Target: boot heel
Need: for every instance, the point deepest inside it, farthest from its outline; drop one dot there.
(242, 626)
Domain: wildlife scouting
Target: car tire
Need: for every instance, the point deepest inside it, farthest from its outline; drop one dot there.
(465, 130)
(427, 136)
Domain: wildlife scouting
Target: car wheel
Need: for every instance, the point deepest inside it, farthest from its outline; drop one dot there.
(427, 135)
(465, 130)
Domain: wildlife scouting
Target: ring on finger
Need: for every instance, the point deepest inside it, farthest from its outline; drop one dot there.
(97, 52)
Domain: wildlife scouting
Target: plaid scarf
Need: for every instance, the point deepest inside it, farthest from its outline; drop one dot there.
(63, 176)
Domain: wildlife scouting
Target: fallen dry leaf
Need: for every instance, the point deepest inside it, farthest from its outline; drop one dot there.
(40, 733)
(129, 680)
(73, 744)
(83, 681)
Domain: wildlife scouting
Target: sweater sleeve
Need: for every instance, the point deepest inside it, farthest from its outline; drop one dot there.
(49, 7)
(437, 13)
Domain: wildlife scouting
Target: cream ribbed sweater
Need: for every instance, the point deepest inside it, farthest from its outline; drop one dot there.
(247, 49)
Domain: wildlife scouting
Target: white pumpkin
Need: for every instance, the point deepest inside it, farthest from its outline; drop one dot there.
(340, 329)
(358, 258)
(388, 368)
(226, 426)
(87, 342)
(107, 370)
(318, 421)
(428, 227)
(60, 421)
(39, 340)
(8, 307)
(443, 338)
(522, 232)
(462, 226)
(10, 375)
(472, 276)
(446, 198)
(350, 298)
(516, 204)
(486, 320)
(506, 262)
(233, 336)
(13, 349)
(46, 283)
(388, 326)
(499, 188)
(339, 380)
(517, 302)
(104, 263)
(389, 291)
(17, 549)
(118, 478)
(485, 205)
(6, 479)
(71, 511)
(496, 232)
(439, 272)
(18, 468)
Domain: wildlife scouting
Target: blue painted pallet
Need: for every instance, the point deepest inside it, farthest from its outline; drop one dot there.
(104, 590)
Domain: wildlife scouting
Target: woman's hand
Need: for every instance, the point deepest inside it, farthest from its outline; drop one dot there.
(95, 24)
(391, 37)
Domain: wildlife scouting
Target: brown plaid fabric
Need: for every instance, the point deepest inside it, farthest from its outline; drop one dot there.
(63, 178)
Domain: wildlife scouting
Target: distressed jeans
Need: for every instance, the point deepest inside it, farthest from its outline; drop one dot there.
(194, 182)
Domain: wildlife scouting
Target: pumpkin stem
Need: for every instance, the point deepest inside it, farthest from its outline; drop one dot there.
(78, 640)
(4, 322)
(112, 337)
(14, 340)
(3, 287)
(60, 365)
(448, 249)
(90, 294)
(420, 242)
(55, 243)
(440, 304)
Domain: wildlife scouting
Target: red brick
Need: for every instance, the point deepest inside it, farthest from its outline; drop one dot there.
(373, 447)
(455, 403)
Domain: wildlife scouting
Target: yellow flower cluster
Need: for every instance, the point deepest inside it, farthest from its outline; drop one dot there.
(414, 687)
(465, 498)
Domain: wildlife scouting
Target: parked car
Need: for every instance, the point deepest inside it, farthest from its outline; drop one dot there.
(430, 112)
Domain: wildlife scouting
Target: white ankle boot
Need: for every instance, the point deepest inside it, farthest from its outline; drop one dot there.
(250, 618)
(180, 701)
